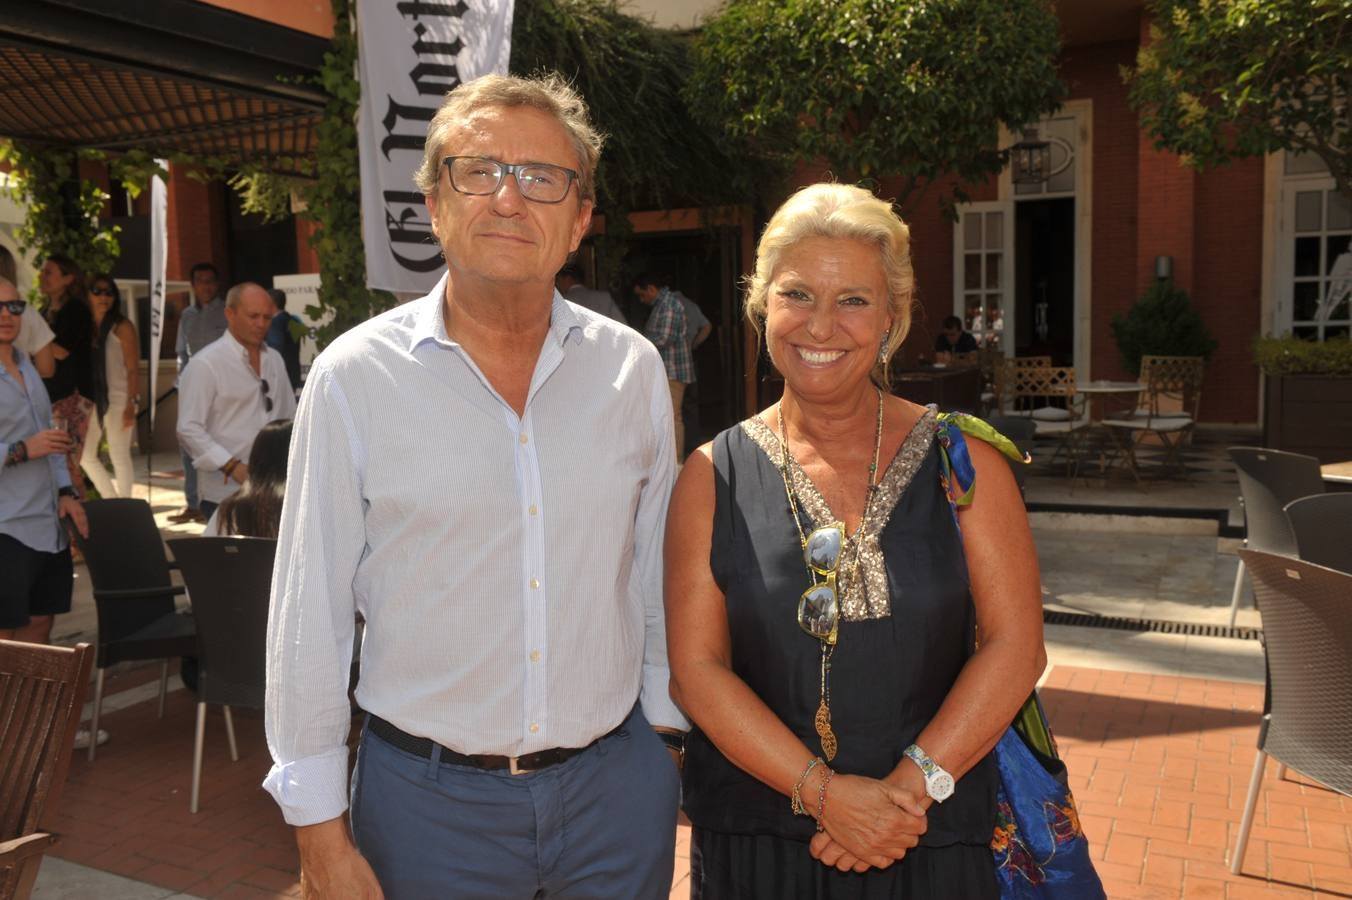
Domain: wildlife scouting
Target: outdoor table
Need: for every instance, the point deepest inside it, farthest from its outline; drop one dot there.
(1124, 398)
(955, 388)
(1106, 392)
(1337, 476)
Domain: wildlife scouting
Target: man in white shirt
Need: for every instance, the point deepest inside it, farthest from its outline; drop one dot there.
(235, 386)
(483, 475)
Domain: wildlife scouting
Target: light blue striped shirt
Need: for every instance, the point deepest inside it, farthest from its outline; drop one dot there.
(509, 569)
(28, 491)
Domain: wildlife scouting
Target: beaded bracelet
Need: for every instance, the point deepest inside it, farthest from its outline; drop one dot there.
(821, 797)
(796, 801)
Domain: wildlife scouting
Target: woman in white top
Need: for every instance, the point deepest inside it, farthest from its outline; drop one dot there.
(116, 388)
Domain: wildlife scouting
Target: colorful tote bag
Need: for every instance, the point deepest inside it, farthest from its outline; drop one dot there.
(1041, 852)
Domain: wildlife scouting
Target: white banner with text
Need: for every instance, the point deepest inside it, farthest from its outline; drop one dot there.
(411, 53)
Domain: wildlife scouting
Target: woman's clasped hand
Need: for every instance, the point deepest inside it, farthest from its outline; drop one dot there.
(866, 823)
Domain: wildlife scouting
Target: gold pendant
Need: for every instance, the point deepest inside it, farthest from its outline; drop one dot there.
(828, 737)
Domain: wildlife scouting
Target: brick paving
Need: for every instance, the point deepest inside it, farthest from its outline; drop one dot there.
(1159, 764)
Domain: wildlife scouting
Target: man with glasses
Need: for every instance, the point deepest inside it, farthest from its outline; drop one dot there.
(199, 325)
(483, 474)
(234, 387)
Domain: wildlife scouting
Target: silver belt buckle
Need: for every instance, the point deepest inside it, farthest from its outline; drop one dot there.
(514, 768)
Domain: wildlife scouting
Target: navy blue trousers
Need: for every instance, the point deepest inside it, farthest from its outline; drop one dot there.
(601, 825)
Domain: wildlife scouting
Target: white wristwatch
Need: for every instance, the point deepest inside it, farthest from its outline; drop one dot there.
(938, 783)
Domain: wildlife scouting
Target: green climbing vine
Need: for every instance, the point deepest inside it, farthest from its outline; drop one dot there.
(61, 210)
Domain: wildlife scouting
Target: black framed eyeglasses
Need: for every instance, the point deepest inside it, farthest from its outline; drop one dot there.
(819, 605)
(267, 401)
(538, 182)
(101, 291)
(14, 307)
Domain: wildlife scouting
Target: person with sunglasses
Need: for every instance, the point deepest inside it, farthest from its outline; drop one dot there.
(35, 492)
(116, 368)
(235, 386)
(483, 474)
(823, 605)
(35, 336)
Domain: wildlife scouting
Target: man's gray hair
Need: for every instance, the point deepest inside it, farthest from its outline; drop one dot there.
(547, 93)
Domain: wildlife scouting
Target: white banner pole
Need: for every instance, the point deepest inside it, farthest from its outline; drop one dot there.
(159, 252)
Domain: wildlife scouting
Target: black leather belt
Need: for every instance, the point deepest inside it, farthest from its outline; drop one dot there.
(419, 746)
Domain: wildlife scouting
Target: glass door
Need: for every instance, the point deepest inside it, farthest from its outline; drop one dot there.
(983, 271)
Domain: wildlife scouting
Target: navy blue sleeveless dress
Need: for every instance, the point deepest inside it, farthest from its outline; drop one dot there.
(908, 629)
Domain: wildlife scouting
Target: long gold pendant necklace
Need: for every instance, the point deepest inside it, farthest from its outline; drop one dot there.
(822, 720)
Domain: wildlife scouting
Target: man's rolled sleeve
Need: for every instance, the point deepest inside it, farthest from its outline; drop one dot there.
(649, 532)
(310, 622)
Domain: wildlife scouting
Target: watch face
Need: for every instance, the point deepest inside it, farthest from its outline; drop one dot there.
(940, 786)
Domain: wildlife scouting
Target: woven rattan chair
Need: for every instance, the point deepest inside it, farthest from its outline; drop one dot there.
(1307, 631)
(1004, 377)
(229, 580)
(42, 691)
(1046, 395)
(1322, 527)
(1268, 480)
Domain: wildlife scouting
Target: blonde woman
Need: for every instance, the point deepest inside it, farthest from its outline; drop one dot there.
(822, 602)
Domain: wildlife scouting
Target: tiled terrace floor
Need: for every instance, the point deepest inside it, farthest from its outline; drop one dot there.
(1159, 764)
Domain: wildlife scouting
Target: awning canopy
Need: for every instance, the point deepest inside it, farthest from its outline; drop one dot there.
(166, 76)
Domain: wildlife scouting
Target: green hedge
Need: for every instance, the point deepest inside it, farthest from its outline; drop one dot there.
(1293, 356)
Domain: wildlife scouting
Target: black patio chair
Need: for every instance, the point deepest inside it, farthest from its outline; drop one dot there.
(1307, 630)
(133, 593)
(1268, 480)
(1322, 527)
(229, 581)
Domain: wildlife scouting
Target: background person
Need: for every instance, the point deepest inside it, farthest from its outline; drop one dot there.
(255, 510)
(569, 283)
(953, 343)
(233, 387)
(834, 726)
(669, 332)
(698, 328)
(70, 387)
(35, 337)
(201, 324)
(116, 378)
(36, 575)
(281, 338)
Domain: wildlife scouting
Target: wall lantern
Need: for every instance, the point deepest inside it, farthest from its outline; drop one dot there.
(1031, 159)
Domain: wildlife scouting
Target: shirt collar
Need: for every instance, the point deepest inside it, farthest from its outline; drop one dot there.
(430, 325)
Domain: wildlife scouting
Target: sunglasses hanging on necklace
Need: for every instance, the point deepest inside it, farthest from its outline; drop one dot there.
(819, 605)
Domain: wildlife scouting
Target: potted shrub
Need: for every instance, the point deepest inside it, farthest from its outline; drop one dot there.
(1307, 396)
(1162, 323)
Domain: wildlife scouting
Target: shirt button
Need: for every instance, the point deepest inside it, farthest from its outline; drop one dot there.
(534, 727)
(535, 656)
(523, 438)
(533, 510)
(535, 582)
